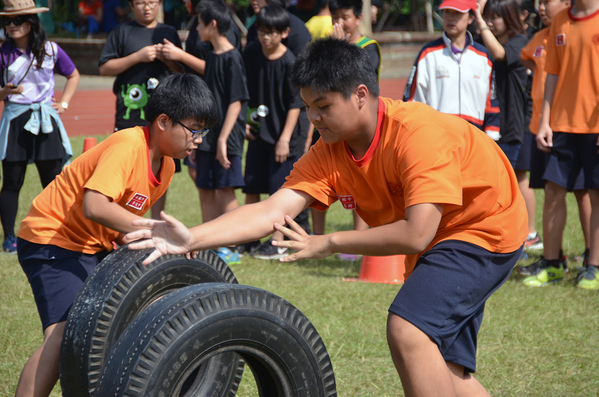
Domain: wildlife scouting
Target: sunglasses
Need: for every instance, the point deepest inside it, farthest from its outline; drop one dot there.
(195, 134)
(17, 21)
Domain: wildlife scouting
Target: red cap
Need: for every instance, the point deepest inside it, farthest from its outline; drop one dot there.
(458, 5)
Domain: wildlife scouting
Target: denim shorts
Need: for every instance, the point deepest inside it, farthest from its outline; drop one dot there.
(445, 295)
(56, 275)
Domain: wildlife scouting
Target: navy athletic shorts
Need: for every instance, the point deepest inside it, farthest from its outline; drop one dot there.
(262, 173)
(570, 154)
(523, 161)
(56, 275)
(511, 151)
(211, 175)
(445, 295)
(538, 164)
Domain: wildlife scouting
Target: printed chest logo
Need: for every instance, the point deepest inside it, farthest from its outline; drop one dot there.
(560, 39)
(538, 52)
(348, 202)
(137, 201)
(596, 39)
(442, 72)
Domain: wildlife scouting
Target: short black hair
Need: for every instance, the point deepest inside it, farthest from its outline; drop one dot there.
(281, 3)
(215, 10)
(320, 4)
(355, 5)
(333, 65)
(181, 96)
(272, 17)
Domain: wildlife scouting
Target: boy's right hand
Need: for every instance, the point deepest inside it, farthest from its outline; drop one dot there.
(339, 32)
(221, 155)
(545, 138)
(147, 54)
(249, 133)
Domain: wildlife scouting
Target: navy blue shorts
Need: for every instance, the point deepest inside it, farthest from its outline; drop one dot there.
(445, 295)
(538, 164)
(262, 173)
(211, 175)
(56, 276)
(523, 161)
(511, 151)
(570, 154)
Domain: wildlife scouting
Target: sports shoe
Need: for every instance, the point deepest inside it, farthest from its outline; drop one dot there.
(269, 251)
(10, 244)
(533, 268)
(247, 248)
(589, 278)
(533, 243)
(545, 275)
(230, 257)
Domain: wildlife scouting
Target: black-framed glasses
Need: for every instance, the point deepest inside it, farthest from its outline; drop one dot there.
(17, 21)
(195, 134)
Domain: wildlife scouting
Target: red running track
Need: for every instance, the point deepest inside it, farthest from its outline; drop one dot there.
(92, 112)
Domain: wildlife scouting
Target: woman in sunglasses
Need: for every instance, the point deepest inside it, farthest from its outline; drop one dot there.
(30, 127)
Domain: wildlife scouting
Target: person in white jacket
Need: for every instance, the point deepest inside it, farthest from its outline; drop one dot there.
(454, 74)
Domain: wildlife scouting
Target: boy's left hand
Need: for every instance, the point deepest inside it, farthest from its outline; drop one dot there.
(307, 246)
(281, 151)
(221, 155)
(339, 32)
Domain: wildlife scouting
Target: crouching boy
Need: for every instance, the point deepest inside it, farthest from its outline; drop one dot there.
(430, 185)
(71, 225)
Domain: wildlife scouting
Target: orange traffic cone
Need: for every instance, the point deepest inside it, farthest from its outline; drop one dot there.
(88, 143)
(381, 269)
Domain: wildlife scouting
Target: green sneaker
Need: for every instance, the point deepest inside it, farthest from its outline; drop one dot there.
(544, 276)
(589, 278)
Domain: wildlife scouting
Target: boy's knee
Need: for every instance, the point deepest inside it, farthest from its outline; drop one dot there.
(403, 336)
(554, 192)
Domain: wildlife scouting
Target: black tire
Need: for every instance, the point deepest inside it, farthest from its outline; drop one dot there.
(190, 326)
(113, 295)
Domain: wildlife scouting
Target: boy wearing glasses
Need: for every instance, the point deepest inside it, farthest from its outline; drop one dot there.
(275, 142)
(71, 225)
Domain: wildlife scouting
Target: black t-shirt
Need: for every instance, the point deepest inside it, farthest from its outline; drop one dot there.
(269, 85)
(510, 78)
(373, 53)
(198, 48)
(133, 87)
(298, 38)
(530, 31)
(225, 75)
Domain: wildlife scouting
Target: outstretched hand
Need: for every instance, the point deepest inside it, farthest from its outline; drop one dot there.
(307, 246)
(168, 236)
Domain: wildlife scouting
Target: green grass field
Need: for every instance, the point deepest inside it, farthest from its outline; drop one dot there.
(533, 342)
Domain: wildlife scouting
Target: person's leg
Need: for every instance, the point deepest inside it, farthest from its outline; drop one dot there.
(554, 219)
(227, 200)
(529, 199)
(584, 214)
(418, 361)
(318, 221)
(464, 383)
(40, 373)
(48, 170)
(594, 247)
(13, 173)
(208, 205)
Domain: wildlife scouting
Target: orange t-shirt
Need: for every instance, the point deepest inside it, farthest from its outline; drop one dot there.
(119, 168)
(573, 55)
(420, 155)
(535, 51)
(91, 9)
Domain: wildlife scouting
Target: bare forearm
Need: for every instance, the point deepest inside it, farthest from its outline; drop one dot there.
(493, 46)
(197, 64)
(550, 85)
(118, 65)
(290, 123)
(98, 208)
(230, 120)
(70, 87)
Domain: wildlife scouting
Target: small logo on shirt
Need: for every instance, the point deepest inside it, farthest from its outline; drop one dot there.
(137, 201)
(538, 52)
(348, 202)
(395, 188)
(560, 39)
(596, 39)
(442, 72)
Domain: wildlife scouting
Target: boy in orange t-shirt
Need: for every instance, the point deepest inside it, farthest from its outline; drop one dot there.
(430, 185)
(71, 225)
(569, 130)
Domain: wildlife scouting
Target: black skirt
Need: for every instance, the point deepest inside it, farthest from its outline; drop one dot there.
(22, 145)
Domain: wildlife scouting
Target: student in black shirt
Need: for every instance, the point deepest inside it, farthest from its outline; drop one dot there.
(277, 143)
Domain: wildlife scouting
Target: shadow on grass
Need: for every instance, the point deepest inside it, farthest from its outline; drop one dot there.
(330, 267)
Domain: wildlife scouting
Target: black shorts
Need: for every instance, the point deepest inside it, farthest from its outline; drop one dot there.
(570, 154)
(538, 164)
(262, 173)
(56, 275)
(445, 295)
(211, 175)
(523, 162)
(22, 145)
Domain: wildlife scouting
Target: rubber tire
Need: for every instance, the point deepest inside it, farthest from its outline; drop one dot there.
(118, 289)
(184, 329)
